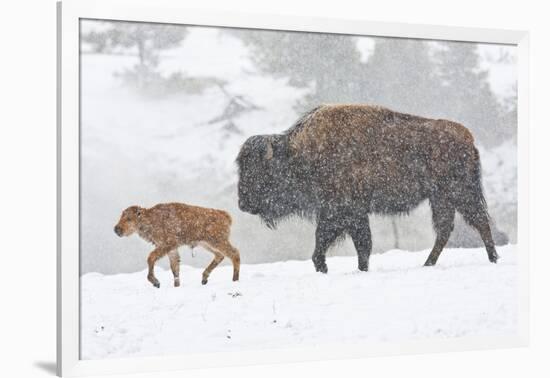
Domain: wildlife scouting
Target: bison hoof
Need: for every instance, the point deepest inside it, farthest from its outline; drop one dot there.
(429, 263)
(363, 268)
(321, 268)
(320, 264)
(494, 258)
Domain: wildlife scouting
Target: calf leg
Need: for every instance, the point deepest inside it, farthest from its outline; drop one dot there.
(232, 253)
(225, 248)
(236, 261)
(443, 214)
(151, 260)
(174, 257)
(361, 236)
(218, 257)
(328, 230)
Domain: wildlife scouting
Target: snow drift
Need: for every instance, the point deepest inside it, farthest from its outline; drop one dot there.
(287, 304)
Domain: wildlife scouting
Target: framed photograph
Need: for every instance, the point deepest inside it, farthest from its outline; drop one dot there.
(238, 189)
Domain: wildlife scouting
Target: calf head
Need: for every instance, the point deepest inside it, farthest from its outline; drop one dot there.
(129, 221)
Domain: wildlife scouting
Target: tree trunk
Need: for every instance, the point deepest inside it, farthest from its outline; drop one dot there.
(395, 234)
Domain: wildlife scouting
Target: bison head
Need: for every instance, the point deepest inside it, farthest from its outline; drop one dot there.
(265, 178)
(129, 221)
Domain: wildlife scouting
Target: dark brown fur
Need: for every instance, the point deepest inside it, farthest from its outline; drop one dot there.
(339, 163)
(172, 225)
(390, 154)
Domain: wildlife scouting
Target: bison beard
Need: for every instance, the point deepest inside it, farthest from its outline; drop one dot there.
(339, 163)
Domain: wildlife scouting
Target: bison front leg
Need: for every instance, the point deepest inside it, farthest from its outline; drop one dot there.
(479, 219)
(151, 260)
(443, 215)
(328, 230)
(174, 257)
(361, 236)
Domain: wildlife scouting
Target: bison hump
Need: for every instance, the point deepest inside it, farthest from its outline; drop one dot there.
(347, 129)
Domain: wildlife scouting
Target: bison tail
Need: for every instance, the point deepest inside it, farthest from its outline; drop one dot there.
(472, 203)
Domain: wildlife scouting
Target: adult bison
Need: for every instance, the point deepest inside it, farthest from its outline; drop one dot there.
(339, 163)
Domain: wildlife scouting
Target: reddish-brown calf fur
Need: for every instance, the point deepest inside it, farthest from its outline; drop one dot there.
(172, 225)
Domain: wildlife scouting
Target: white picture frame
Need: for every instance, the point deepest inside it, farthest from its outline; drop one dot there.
(171, 11)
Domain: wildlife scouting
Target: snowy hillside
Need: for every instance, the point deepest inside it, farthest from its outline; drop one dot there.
(139, 150)
(145, 150)
(287, 304)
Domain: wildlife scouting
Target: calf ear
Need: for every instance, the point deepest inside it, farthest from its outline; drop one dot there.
(136, 210)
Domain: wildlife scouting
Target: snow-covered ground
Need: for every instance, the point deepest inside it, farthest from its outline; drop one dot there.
(285, 304)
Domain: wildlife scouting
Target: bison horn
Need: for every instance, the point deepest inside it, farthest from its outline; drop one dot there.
(269, 151)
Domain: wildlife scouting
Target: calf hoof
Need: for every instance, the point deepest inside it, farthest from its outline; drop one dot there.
(204, 281)
(154, 281)
(176, 283)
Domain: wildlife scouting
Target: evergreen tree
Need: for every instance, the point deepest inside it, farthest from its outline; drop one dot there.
(402, 76)
(327, 63)
(510, 116)
(145, 40)
(466, 96)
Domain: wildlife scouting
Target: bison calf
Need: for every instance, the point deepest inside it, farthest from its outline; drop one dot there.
(172, 225)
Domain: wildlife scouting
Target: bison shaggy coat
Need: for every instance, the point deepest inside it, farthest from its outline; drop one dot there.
(339, 163)
(172, 225)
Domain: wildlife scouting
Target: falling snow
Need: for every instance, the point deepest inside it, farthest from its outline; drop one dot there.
(164, 120)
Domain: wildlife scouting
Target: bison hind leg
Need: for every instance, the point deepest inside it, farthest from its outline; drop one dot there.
(443, 214)
(473, 208)
(478, 218)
